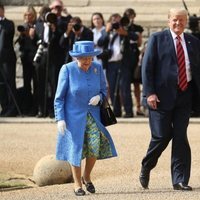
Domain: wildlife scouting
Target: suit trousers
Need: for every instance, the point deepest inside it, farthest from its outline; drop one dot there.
(113, 76)
(125, 84)
(167, 125)
(8, 87)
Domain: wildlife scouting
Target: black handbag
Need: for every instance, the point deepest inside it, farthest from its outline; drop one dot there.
(138, 74)
(107, 116)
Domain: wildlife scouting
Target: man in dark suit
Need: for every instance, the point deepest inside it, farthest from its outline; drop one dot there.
(75, 31)
(7, 66)
(169, 96)
(50, 27)
(116, 41)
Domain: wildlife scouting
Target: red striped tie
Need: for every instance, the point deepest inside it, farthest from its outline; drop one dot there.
(181, 65)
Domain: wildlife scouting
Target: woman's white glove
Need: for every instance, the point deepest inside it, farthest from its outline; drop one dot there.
(94, 100)
(61, 125)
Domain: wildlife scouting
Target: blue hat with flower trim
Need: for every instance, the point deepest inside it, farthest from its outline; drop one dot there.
(84, 49)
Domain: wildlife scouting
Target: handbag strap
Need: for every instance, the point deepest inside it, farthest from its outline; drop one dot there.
(105, 101)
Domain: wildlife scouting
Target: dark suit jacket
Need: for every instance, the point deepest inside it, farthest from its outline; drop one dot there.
(6, 39)
(126, 47)
(67, 42)
(160, 67)
(2, 36)
(7, 67)
(57, 52)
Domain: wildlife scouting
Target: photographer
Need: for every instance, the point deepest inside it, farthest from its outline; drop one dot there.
(135, 44)
(117, 40)
(50, 56)
(27, 46)
(63, 17)
(75, 31)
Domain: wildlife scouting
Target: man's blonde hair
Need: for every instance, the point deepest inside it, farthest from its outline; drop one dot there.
(177, 11)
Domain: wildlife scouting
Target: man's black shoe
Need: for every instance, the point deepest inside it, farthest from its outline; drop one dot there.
(144, 178)
(182, 186)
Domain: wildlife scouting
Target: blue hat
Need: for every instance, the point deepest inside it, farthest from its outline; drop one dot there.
(84, 49)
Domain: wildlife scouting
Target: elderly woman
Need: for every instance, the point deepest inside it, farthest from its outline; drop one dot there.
(81, 87)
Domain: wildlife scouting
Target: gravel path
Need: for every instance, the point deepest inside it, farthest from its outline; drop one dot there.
(22, 145)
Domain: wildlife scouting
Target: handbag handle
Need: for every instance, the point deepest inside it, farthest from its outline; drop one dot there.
(104, 101)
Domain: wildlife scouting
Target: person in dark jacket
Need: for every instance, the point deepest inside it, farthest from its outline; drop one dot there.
(27, 41)
(75, 31)
(130, 13)
(117, 41)
(51, 55)
(170, 70)
(7, 66)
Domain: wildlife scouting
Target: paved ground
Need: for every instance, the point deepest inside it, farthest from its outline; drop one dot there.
(23, 144)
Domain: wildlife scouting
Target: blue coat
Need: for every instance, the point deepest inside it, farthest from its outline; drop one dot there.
(75, 88)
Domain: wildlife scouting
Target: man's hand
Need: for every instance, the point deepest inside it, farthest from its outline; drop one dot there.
(152, 101)
(121, 31)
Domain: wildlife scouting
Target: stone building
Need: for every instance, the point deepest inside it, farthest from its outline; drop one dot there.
(24, 2)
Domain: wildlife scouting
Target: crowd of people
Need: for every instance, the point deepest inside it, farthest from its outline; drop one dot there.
(44, 42)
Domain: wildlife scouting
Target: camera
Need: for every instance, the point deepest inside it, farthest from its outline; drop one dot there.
(194, 25)
(124, 21)
(22, 28)
(51, 18)
(105, 54)
(116, 25)
(77, 27)
(39, 53)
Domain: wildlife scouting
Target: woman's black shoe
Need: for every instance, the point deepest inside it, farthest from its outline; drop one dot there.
(79, 192)
(89, 186)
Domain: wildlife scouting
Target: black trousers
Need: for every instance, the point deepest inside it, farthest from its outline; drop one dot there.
(8, 87)
(171, 125)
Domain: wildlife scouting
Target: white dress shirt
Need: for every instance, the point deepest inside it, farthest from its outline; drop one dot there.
(187, 62)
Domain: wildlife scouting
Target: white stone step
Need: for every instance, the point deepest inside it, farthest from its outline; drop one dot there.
(76, 3)
(141, 2)
(145, 9)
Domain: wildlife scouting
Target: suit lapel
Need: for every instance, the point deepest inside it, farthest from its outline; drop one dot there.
(170, 44)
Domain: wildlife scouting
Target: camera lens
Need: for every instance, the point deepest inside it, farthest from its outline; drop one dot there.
(21, 28)
(115, 25)
(77, 27)
(51, 18)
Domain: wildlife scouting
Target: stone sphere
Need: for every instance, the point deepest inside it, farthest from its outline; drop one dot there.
(49, 171)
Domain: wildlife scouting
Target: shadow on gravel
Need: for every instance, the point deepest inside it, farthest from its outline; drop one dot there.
(157, 191)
